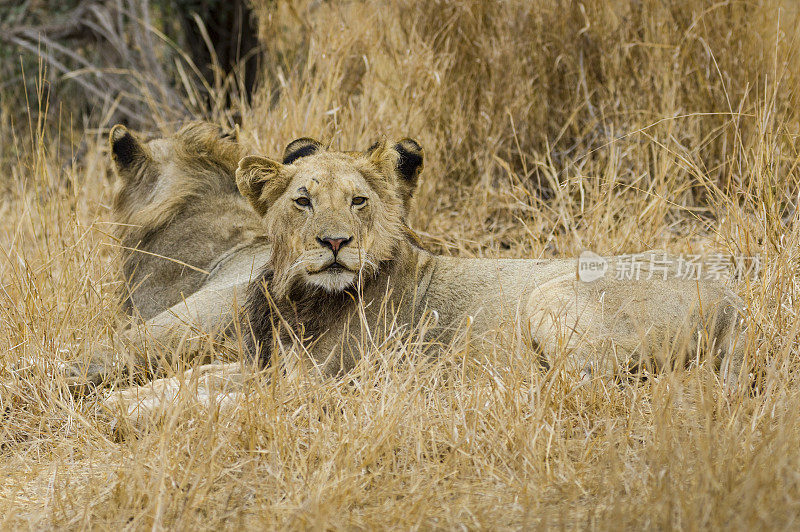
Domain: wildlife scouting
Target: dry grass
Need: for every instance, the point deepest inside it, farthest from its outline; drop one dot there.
(614, 126)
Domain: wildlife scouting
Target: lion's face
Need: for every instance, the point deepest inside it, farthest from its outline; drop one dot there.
(333, 217)
(334, 226)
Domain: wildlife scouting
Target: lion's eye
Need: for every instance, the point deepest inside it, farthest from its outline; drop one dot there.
(359, 200)
(303, 201)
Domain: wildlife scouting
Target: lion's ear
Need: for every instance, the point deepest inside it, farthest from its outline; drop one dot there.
(300, 148)
(259, 180)
(409, 165)
(127, 151)
(403, 161)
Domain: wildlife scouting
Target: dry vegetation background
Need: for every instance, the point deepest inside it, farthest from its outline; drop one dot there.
(549, 127)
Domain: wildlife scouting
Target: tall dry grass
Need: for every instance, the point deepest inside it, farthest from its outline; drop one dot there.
(549, 128)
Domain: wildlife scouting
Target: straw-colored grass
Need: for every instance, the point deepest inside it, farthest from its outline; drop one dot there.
(549, 127)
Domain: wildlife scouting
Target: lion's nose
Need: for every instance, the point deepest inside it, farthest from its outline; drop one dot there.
(334, 242)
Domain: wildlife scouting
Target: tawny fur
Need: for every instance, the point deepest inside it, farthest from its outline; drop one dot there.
(177, 211)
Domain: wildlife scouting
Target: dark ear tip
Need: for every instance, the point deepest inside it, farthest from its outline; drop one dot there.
(410, 163)
(123, 146)
(231, 135)
(301, 147)
(410, 146)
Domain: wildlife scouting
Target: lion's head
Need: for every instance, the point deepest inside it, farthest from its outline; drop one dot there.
(334, 217)
(159, 177)
(177, 209)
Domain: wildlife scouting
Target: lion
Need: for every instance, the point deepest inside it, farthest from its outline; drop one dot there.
(190, 244)
(179, 216)
(341, 244)
(342, 254)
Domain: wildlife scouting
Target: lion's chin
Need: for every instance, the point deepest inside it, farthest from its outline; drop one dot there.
(332, 280)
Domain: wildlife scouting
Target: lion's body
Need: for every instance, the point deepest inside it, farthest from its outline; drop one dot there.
(382, 276)
(608, 324)
(536, 305)
(178, 212)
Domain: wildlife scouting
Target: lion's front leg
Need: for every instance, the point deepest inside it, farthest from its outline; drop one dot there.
(209, 385)
(186, 330)
(142, 351)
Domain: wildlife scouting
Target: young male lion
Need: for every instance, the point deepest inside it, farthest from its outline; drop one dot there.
(342, 255)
